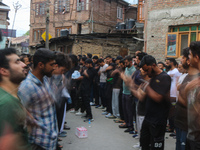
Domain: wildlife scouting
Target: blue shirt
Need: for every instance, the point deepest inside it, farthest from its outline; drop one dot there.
(38, 99)
(128, 72)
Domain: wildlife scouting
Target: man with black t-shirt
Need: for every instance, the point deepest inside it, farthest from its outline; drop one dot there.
(157, 105)
(85, 88)
(109, 86)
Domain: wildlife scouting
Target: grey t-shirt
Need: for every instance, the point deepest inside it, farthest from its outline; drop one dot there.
(103, 76)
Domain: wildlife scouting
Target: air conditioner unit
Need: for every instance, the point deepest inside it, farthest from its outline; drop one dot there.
(64, 32)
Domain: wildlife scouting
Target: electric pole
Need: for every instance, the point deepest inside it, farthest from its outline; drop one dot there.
(47, 26)
(16, 6)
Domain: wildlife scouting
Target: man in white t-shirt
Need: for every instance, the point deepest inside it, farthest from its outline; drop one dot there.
(102, 86)
(174, 74)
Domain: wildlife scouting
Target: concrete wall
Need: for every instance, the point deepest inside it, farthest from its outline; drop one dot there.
(161, 15)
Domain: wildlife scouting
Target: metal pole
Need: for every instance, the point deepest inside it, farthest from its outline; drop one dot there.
(16, 7)
(92, 18)
(47, 26)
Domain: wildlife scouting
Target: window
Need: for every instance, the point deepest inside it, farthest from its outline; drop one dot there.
(36, 9)
(119, 12)
(179, 37)
(58, 29)
(34, 35)
(37, 34)
(81, 5)
(62, 6)
(40, 9)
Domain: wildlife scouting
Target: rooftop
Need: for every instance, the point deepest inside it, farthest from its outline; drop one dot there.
(4, 7)
(19, 40)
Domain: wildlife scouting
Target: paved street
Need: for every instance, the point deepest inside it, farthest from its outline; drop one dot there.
(103, 134)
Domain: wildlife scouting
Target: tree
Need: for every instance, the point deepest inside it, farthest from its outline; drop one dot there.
(27, 33)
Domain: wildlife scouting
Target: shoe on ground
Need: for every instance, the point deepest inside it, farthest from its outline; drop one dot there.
(92, 103)
(133, 132)
(62, 135)
(88, 119)
(104, 113)
(79, 114)
(101, 107)
(63, 132)
(129, 130)
(60, 146)
(136, 145)
(66, 127)
(135, 136)
(111, 117)
(59, 139)
(97, 106)
(118, 121)
(108, 115)
(72, 111)
(172, 134)
(123, 125)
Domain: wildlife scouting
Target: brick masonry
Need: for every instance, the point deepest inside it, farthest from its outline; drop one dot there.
(104, 17)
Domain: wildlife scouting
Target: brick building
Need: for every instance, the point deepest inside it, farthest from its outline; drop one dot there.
(4, 9)
(170, 26)
(78, 16)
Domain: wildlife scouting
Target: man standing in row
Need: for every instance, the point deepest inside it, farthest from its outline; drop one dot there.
(157, 105)
(127, 99)
(37, 96)
(86, 85)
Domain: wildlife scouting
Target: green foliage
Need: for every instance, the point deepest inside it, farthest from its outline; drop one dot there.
(27, 33)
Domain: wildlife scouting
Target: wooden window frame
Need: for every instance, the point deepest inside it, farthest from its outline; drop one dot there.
(58, 5)
(119, 12)
(38, 10)
(179, 33)
(41, 31)
(82, 5)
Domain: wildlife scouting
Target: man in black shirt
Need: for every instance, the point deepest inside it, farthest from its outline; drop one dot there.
(85, 88)
(109, 83)
(157, 105)
(96, 81)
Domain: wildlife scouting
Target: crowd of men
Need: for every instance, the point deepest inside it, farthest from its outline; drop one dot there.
(36, 91)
